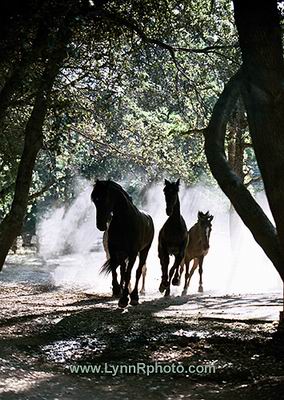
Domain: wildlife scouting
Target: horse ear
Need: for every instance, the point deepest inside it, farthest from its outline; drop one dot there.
(211, 217)
(167, 182)
(200, 214)
(177, 183)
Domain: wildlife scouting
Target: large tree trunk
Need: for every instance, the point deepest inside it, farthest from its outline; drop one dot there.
(11, 226)
(232, 185)
(263, 94)
(260, 82)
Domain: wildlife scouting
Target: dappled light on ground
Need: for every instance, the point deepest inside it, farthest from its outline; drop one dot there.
(46, 329)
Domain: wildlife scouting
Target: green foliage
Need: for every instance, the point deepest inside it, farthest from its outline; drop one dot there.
(125, 104)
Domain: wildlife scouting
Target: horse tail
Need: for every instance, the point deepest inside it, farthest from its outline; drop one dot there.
(113, 262)
(108, 267)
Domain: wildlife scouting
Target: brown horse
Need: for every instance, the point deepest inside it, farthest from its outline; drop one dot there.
(197, 248)
(172, 237)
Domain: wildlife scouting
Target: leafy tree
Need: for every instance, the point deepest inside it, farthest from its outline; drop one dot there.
(134, 91)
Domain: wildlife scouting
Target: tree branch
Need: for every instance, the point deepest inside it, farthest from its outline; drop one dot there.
(45, 188)
(134, 27)
(195, 131)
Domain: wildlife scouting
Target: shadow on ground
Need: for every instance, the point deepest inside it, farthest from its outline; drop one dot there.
(44, 332)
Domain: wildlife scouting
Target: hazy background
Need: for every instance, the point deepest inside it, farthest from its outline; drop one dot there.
(70, 241)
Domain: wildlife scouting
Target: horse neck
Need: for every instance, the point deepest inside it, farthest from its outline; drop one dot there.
(203, 238)
(176, 211)
(122, 205)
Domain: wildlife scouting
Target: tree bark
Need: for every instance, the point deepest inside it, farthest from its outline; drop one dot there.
(250, 212)
(11, 226)
(236, 140)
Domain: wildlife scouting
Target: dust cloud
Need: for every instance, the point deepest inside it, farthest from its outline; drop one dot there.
(70, 242)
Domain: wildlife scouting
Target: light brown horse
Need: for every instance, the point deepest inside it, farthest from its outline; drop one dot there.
(196, 249)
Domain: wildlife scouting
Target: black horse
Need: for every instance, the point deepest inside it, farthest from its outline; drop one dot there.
(130, 233)
(172, 237)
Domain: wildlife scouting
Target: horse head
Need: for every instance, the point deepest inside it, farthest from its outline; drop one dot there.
(171, 190)
(205, 226)
(103, 202)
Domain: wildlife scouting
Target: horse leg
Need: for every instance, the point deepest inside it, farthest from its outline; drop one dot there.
(144, 271)
(142, 259)
(189, 275)
(116, 289)
(105, 244)
(122, 274)
(123, 301)
(178, 274)
(200, 287)
(186, 283)
(181, 268)
(175, 267)
(164, 260)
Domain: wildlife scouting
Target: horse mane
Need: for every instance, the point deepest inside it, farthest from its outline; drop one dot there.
(116, 186)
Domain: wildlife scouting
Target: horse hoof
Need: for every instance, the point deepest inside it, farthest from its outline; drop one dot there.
(134, 302)
(176, 281)
(184, 292)
(134, 299)
(142, 292)
(123, 302)
(163, 287)
(200, 289)
(167, 293)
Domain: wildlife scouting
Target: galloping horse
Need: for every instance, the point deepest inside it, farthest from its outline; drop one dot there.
(130, 233)
(172, 237)
(197, 248)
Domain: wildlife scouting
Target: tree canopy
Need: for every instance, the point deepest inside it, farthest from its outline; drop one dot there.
(111, 89)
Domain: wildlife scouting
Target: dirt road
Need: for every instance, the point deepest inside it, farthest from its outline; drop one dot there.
(46, 330)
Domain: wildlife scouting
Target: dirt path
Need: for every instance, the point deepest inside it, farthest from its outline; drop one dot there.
(45, 330)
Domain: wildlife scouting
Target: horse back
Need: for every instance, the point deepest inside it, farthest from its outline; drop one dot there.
(131, 234)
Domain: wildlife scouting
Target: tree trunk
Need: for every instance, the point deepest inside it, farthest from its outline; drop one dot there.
(260, 84)
(262, 90)
(11, 226)
(243, 202)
